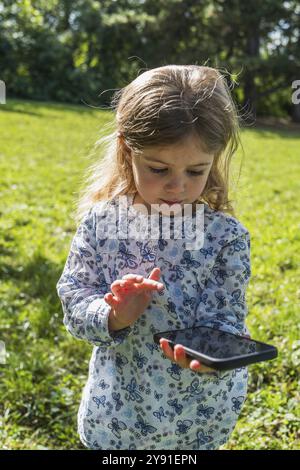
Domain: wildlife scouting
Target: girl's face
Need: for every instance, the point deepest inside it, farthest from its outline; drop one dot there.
(177, 173)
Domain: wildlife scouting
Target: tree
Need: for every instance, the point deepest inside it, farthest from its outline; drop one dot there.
(259, 40)
(83, 50)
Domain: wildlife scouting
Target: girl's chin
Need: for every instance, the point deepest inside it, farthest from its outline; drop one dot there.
(164, 207)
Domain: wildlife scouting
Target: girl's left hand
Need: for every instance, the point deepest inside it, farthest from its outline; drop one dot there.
(178, 355)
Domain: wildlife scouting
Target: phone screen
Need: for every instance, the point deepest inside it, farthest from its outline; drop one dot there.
(215, 343)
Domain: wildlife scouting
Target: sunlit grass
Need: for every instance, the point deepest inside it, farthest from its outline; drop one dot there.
(42, 159)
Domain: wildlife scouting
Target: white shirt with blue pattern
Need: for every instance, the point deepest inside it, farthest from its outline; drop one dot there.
(136, 398)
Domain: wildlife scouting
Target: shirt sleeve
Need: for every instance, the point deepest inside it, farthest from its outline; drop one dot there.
(81, 289)
(222, 304)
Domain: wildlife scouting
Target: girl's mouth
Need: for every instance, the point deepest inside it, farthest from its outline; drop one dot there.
(171, 202)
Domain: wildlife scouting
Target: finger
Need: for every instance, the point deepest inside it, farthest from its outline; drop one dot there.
(117, 283)
(129, 285)
(133, 277)
(120, 284)
(180, 356)
(110, 300)
(155, 274)
(151, 281)
(195, 366)
(166, 348)
(143, 288)
(151, 284)
(117, 288)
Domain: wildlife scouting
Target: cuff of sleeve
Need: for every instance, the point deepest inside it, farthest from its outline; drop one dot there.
(97, 329)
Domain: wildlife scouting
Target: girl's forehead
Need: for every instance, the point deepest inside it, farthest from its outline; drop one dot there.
(189, 149)
(177, 160)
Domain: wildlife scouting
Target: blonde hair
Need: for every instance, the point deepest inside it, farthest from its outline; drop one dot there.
(163, 106)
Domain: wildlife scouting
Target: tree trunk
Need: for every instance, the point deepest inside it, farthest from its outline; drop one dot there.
(250, 94)
(252, 51)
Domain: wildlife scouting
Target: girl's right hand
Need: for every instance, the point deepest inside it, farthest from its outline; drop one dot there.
(130, 296)
(178, 355)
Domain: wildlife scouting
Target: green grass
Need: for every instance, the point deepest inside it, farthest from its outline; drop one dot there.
(42, 159)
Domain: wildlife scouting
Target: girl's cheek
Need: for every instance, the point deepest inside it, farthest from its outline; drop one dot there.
(143, 177)
(148, 186)
(150, 180)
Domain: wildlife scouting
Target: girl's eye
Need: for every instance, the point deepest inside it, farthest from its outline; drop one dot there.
(162, 170)
(158, 170)
(196, 173)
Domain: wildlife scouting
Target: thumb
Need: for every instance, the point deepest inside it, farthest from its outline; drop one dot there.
(155, 274)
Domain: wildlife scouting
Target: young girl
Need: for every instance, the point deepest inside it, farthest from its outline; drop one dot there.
(177, 129)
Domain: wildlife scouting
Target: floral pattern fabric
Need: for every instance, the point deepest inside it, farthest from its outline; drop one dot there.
(136, 398)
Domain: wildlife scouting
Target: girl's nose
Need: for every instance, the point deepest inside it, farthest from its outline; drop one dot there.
(177, 185)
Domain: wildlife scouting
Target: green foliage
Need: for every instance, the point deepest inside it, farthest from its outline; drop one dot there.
(42, 160)
(82, 50)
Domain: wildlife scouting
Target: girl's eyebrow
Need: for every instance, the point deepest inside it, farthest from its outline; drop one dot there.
(160, 161)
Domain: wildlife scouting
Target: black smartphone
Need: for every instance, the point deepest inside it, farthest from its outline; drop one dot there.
(218, 349)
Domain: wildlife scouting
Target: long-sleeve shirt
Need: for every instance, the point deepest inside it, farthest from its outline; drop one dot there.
(135, 397)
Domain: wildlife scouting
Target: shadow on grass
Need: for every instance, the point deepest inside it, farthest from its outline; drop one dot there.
(263, 131)
(25, 107)
(37, 279)
(36, 294)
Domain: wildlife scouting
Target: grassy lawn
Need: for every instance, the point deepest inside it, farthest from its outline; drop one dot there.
(42, 159)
